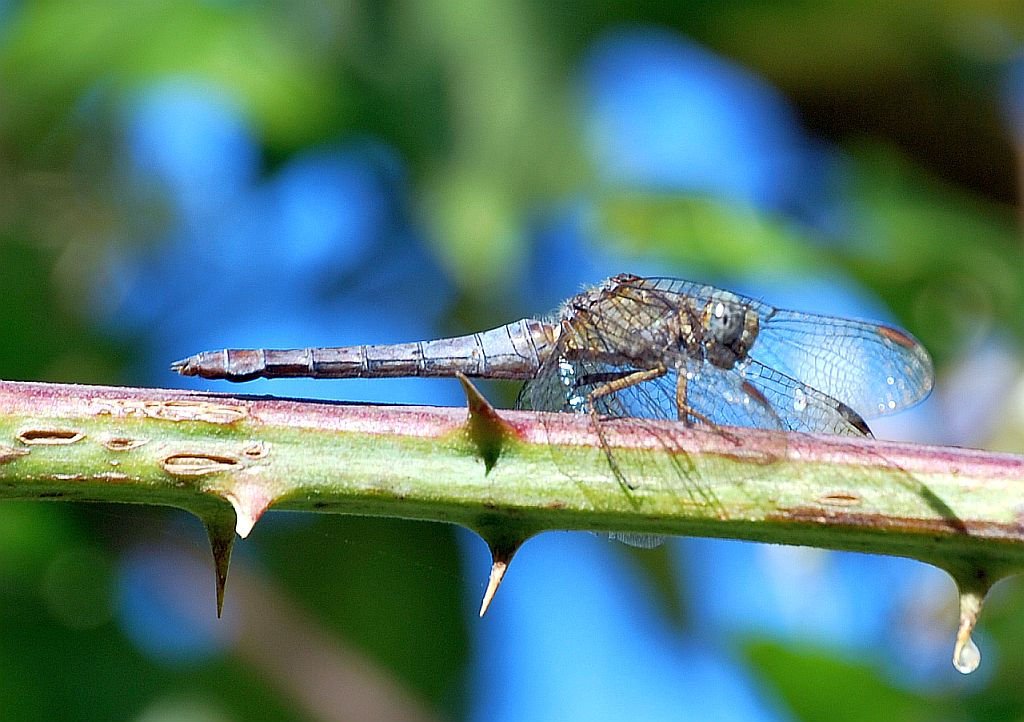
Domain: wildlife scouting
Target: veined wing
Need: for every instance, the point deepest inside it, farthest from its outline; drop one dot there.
(874, 368)
(798, 406)
(757, 398)
(754, 396)
(564, 385)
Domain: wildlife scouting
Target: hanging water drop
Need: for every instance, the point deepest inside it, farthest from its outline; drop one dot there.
(966, 656)
(799, 400)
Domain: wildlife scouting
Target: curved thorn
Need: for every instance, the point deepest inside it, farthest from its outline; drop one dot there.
(249, 503)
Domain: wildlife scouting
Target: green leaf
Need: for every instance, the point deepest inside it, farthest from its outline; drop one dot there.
(819, 685)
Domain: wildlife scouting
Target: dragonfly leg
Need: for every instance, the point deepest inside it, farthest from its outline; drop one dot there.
(682, 410)
(611, 387)
(624, 382)
(686, 413)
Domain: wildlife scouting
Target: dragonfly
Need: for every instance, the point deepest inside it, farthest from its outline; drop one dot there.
(651, 348)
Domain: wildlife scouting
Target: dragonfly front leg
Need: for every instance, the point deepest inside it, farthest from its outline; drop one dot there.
(611, 387)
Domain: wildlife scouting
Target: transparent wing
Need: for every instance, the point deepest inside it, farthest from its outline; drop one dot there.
(713, 395)
(798, 406)
(564, 386)
(874, 368)
(768, 391)
(754, 396)
(643, 541)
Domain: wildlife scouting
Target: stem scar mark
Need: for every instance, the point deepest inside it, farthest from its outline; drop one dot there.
(122, 443)
(256, 450)
(840, 498)
(199, 464)
(52, 437)
(172, 410)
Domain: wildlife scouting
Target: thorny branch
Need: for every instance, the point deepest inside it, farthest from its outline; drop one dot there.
(509, 475)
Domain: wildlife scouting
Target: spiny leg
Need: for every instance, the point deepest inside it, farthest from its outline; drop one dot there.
(611, 387)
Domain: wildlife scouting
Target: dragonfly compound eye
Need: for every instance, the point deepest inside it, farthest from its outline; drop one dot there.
(730, 330)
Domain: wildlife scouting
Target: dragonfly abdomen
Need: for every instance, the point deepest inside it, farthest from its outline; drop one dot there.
(513, 351)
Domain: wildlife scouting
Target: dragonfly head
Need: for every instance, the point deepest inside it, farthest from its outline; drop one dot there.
(730, 327)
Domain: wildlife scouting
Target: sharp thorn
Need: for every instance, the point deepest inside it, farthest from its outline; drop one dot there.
(486, 428)
(222, 538)
(477, 403)
(498, 570)
(501, 557)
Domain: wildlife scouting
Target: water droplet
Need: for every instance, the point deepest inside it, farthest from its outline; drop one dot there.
(892, 404)
(799, 400)
(966, 656)
(881, 407)
(890, 380)
(689, 375)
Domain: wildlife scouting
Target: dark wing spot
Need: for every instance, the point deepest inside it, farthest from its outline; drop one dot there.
(854, 419)
(896, 336)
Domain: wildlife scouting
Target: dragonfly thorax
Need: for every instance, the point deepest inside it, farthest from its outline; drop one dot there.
(729, 330)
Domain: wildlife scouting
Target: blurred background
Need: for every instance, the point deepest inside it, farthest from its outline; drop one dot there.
(183, 175)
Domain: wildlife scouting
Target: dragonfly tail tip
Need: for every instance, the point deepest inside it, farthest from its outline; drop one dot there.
(184, 366)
